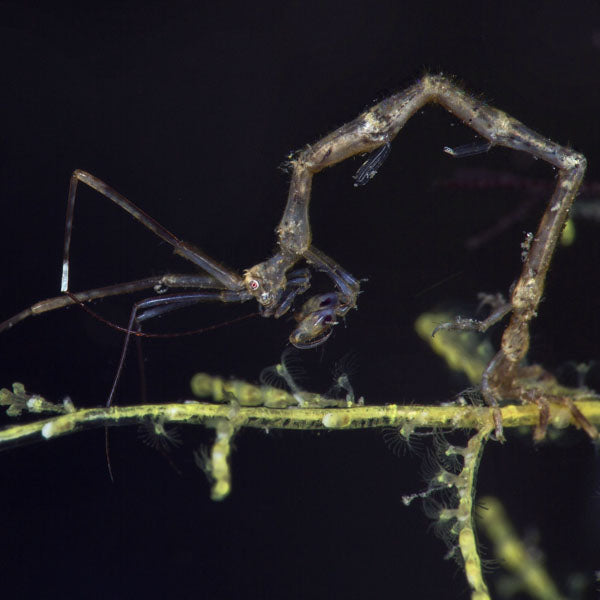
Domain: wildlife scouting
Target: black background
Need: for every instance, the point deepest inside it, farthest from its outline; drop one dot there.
(188, 111)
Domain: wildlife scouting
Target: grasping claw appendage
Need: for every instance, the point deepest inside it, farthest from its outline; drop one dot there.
(316, 320)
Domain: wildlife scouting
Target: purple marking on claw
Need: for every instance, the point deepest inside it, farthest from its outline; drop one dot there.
(314, 329)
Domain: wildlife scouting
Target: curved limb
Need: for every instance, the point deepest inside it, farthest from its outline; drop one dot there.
(297, 283)
(150, 308)
(154, 307)
(224, 276)
(348, 287)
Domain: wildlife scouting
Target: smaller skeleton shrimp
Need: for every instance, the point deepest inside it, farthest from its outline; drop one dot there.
(275, 286)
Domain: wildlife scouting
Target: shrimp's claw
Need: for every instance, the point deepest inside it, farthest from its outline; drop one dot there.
(316, 320)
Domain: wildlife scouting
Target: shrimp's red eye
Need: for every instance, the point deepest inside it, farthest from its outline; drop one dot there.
(254, 285)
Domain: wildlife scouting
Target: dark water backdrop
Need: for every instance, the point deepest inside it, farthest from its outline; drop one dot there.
(188, 111)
